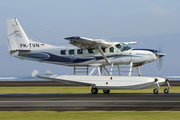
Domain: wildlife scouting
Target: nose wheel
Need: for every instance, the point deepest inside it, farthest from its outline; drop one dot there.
(166, 91)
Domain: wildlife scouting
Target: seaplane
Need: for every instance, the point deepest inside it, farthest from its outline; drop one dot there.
(97, 54)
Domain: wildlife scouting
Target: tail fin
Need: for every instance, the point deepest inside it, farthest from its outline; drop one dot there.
(17, 39)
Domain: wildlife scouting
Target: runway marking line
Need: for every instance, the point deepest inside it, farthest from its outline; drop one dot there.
(87, 101)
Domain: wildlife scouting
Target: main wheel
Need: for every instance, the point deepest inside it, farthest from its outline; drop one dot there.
(94, 90)
(166, 91)
(106, 91)
(155, 91)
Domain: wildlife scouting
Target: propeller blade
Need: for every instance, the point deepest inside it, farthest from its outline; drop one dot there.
(159, 64)
(159, 61)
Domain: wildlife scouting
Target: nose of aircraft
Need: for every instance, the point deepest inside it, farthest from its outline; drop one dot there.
(159, 62)
(160, 54)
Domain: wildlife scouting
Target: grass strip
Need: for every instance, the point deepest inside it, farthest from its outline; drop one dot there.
(90, 115)
(75, 89)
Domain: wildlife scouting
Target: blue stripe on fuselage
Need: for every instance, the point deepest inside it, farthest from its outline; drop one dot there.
(45, 56)
(70, 59)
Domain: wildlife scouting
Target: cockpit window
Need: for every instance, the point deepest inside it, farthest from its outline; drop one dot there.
(123, 47)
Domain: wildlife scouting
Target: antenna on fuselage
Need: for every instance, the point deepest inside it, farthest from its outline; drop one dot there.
(58, 43)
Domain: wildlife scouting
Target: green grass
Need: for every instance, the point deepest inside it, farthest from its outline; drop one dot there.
(75, 89)
(90, 115)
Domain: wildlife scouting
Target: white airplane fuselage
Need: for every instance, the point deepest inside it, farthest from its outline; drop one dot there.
(54, 55)
(84, 52)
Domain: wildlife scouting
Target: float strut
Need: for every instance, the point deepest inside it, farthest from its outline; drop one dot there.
(139, 72)
(130, 69)
(158, 85)
(168, 84)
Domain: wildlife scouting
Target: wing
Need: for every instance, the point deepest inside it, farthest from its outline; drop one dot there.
(87, 43)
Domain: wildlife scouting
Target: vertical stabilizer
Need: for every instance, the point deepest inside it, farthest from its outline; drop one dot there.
(17, 38)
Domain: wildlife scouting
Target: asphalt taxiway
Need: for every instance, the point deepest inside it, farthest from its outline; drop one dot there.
(85, 102)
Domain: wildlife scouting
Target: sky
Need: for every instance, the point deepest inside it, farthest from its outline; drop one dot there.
(152, 23)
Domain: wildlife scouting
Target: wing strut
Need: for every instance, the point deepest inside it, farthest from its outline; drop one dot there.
(102, 53)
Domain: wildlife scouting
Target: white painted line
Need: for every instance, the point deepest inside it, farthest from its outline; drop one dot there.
(131, 101)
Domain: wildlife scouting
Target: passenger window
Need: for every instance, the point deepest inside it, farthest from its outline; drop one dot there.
(63, 52)
(103, 49)
(80, 51)
(90, 51)
(71, 52)
(112, 50)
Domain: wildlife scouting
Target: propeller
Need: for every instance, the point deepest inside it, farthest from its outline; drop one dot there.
(160, 60)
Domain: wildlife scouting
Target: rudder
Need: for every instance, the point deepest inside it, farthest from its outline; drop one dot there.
(17, 39)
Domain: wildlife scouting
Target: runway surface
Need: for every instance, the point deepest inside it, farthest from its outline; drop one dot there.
(85, 102)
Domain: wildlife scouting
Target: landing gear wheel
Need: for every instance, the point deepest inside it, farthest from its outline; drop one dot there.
(155, 91)
(166, 91)
(106, 91)
(94, 90)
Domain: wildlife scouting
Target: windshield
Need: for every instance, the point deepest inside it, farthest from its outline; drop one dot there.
(123, 47)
